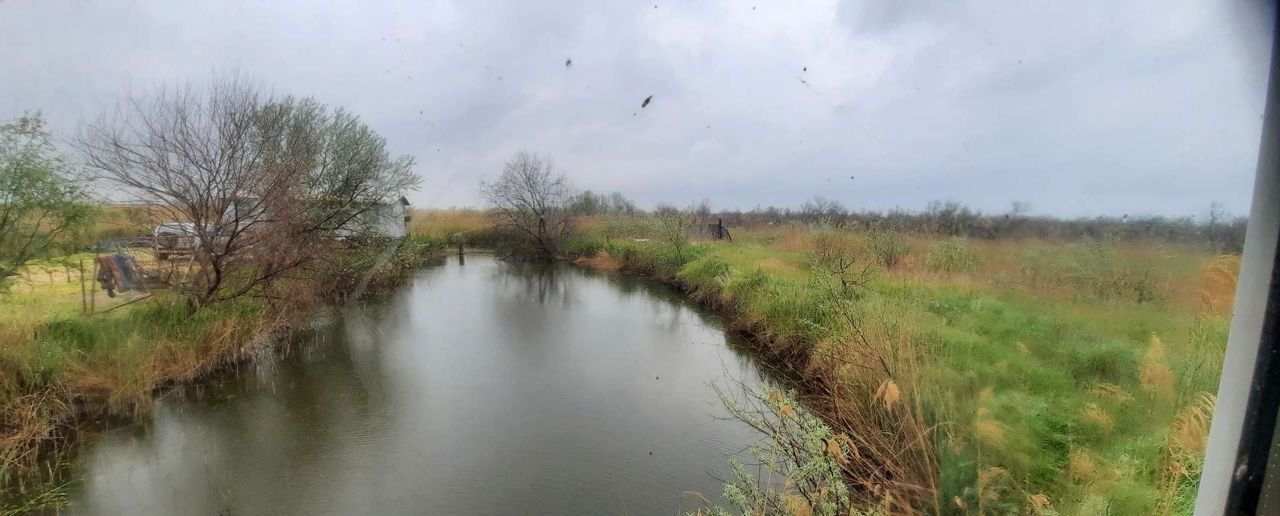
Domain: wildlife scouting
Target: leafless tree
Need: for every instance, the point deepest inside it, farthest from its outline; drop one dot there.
(262, 183)
(532, 200)
(673, 226)
(834, 255)
(823, 211)
(1216, 217)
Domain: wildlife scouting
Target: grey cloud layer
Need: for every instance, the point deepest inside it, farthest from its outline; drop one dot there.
(1150, 107)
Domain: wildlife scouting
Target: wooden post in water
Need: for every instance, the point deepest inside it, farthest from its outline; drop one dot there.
(84, 303)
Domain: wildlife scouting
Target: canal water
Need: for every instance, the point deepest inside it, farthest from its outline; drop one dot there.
(480, 387)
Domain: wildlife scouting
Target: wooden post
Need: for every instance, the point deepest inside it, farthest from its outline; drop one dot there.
(84, 303)
(93, 287)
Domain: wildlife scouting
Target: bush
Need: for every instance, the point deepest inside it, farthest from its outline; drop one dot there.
(1093, 268)
(889, 247)
(952, 256)
(834, 257)
(582, 245)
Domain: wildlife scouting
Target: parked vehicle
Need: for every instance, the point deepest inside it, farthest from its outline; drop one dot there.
(175, 238)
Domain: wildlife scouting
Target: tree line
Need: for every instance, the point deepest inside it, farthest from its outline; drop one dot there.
(532, 200)
(1216, 229)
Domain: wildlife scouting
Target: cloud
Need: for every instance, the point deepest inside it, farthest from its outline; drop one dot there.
(1078, 109)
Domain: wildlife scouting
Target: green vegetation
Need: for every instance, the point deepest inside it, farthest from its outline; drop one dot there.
(951, 256)
(800, 448)
(277, 204)
(42, 198)
(965, 384)
(59, 366)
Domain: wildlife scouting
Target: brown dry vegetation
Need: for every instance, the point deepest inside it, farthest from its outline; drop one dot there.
(447, 223)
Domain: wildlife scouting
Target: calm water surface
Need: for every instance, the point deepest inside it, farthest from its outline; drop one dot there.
(480, 388)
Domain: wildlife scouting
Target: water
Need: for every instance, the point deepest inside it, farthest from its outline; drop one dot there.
(480, 388)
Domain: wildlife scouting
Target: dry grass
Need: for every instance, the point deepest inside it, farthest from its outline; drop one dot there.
(1156, 377)
(1184, 449)
(600, 261)
(1218, 285)
(864, 383)
(1083, 467)
(783, 237)
(447, 222)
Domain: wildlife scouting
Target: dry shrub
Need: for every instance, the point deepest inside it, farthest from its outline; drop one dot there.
(1038, 503)
(1217, 284)
(1156, 377)
(864, 374)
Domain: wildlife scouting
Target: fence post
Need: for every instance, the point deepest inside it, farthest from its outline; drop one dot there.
(84, 303)
(93, 285)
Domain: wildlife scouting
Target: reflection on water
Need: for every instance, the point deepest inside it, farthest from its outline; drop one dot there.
(481, 388)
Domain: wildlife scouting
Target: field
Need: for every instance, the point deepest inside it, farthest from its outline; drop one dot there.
(975, 376)
(447, 223)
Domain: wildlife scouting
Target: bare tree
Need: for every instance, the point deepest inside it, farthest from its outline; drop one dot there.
(532, 200)
(823, 211)
(262, 184)
(673, 225)
(1214, 221)
(834, 256)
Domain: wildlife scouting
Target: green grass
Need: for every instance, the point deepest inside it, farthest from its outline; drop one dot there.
(1058, 392)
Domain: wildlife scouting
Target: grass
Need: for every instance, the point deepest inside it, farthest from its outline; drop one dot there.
(447, 223)
(60, 366)
(1075, 377)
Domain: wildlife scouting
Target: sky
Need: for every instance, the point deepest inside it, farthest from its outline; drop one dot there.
(1076, 108)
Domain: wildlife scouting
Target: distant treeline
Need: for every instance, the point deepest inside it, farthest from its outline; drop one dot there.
(1216, 229)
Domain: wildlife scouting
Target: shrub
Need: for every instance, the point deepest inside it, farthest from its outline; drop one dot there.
(616, 227)
(952, 256)
(581, 245)
(1093, 267)
(799, 447)
(833, 257)
(889, 247)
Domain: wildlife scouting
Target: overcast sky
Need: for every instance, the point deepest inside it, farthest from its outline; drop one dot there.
(1078, 108)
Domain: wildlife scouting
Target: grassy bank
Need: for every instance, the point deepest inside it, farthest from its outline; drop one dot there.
(60, 367)
(1016, 376)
